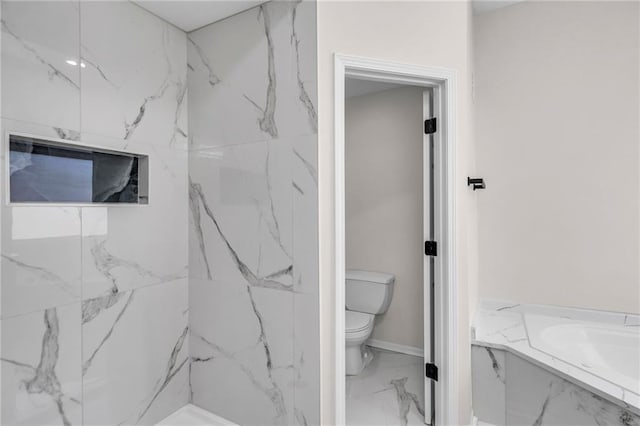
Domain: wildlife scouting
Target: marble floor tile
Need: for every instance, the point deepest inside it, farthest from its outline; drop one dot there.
(390, 391)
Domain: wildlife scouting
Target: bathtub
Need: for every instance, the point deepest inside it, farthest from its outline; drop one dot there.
(610, 351)
(589, 358)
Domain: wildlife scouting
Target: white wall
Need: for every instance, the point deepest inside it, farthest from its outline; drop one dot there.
(556, 93)
(423, 33)
(384, 193)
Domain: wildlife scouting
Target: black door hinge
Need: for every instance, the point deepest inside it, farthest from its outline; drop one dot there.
(431, 371)
(431, 248)
(430, 126)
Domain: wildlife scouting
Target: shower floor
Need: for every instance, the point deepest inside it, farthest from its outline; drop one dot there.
(190, 415)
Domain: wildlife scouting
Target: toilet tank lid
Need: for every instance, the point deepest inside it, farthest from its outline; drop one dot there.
(376, 277)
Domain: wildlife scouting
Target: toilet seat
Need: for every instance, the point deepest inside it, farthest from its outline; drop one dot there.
(358, 325)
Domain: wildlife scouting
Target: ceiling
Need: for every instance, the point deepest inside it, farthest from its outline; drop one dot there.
(189, 15)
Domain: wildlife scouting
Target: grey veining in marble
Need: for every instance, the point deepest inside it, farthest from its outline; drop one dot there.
(390, 391)
(53, 71)
(40, 264)
(498, 369)
(267, 121)
(310, 168)
(42, 273)
(67, 134)
(266, 281)
(304, 97)
(141, 100)
(488, 374)
(213, 78)
(406, 400)
(139, 337)
(40, 369)
(44, 379)
(38, 84)
(537, 397)
(106, 263)
(508, 390)
(173, 367)
(253, 361)
(271, 390)
(92, 308)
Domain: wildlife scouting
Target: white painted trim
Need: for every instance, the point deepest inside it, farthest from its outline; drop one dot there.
(395, 347)
(339, 203)
(430, 108)
(445, 298)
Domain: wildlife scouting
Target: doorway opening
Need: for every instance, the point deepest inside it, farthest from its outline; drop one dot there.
(367, 289)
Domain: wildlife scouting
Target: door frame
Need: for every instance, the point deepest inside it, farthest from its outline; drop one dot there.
(443, 82)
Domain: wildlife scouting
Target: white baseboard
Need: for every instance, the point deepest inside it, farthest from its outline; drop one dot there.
(404, 349)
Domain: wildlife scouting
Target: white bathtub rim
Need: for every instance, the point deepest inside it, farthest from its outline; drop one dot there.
(580, 314)
(507, 332)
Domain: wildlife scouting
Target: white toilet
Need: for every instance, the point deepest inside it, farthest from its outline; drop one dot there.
(367, 294)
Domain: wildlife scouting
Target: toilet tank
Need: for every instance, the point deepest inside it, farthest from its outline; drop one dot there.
(367, 291)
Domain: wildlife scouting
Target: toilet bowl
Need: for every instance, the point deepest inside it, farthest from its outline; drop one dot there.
(367, 294)
(359, 327)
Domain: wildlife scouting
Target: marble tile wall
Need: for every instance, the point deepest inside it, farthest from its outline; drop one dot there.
(253, 224)
(508, 390)
(94, 300)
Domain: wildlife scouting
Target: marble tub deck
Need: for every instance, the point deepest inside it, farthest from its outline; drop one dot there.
(390, 391)
(501, 325)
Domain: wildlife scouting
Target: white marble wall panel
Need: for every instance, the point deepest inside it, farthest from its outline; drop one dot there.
(40, 63)
(40, 257)
(69, 261)
(41, 246)
(253, 222)
(41, 368)
(241, 351)
(240, 200)
(135, 359)
(134, 80)
(305, 275)
(489, 380)
(130, 247)
(241, 282)
(256, 88)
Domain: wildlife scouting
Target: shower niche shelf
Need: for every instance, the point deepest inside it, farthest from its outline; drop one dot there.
(51, 171)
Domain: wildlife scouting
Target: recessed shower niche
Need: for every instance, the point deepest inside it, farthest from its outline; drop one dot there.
(50, 171)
